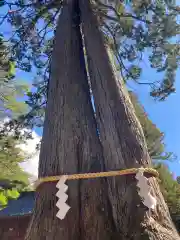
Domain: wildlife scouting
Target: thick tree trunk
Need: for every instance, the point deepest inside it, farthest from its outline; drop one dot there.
(70, 144)
(123, 142)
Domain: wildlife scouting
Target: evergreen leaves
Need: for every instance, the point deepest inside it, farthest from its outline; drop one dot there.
(170, 189)
(10, 107)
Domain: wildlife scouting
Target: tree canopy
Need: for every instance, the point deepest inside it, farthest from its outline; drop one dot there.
(12, 178)
(10, 89)
(134, 30)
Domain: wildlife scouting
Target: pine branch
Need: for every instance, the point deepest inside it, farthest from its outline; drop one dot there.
(119, 16)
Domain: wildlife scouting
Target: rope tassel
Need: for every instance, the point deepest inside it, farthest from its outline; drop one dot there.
(144, 190)
(62, 198)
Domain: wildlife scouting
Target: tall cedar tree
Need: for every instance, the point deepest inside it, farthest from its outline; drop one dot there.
(70, 144)
(118, 126)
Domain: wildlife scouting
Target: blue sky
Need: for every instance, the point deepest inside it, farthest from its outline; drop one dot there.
(166, 115)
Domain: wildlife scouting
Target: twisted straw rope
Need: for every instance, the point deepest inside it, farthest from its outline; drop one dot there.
(151, 171)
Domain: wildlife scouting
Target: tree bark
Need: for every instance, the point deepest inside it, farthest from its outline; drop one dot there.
(123, 142)
(70, 144)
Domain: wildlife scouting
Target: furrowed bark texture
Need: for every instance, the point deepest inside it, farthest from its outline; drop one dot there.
(70, 144)
(123, 142)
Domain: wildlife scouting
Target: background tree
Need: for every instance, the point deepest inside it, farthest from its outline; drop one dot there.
(154, 137)
(10, 89)
(170, 189)
(12, 178)
(178, 179)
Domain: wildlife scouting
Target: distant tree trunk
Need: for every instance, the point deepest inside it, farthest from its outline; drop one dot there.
(70, 144)
(123, 142)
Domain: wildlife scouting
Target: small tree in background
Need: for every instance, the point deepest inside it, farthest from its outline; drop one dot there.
(12, 178)
(178, 180)
(170, 189)
(154, 137)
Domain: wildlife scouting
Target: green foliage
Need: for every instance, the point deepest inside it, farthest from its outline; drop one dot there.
(170, 189)
(10, 154)
(7, 66)
(147, 28)
(12, 194)
(10, 171)
(3, 200)
(10, 90)
(2, 2)
(6, 195)
(11, 70)
(134, 71)
(178, 179)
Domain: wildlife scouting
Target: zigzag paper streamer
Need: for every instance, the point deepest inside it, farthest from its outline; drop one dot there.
(62, 198)
(144, 190)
